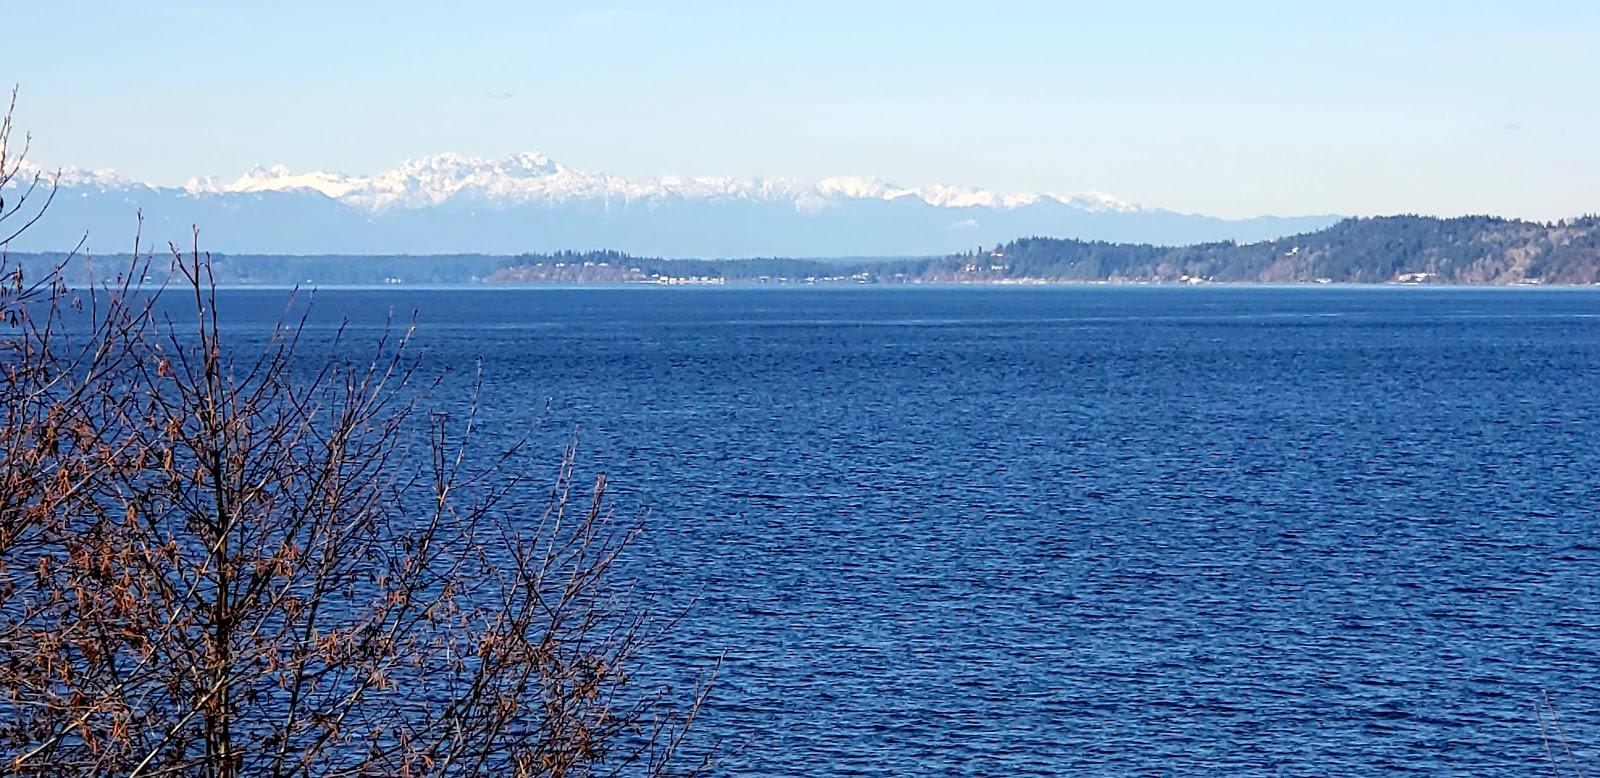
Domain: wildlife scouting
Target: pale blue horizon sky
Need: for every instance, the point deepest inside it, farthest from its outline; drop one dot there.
(1226, 108)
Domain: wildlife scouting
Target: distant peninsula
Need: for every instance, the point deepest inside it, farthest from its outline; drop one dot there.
(1480, 250)
(1396, 249)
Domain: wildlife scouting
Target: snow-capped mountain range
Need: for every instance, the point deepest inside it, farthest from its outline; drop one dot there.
(450, 203)
(532, 177)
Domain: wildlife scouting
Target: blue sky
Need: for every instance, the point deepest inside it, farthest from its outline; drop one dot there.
(1229, 108)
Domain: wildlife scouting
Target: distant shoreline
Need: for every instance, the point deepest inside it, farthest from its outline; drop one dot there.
(1416, 251)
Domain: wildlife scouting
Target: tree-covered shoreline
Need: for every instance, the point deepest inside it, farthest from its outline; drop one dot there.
(1477, 250)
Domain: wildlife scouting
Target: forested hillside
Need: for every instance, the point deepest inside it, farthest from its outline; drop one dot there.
(1467, 250)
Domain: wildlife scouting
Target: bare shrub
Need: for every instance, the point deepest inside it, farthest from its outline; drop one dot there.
(218, 563)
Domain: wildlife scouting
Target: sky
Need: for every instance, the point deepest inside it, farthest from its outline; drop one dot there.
(1226, 108)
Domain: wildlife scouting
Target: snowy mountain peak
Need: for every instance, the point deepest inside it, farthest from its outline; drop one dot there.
(102, 179)
(861, 188)
(1098, 202)
(532, 162)
(947, 196)
(277, 178)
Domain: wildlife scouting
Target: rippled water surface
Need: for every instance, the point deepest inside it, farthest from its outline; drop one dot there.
(1102, 531)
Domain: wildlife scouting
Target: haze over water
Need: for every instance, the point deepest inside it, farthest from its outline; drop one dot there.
(1112, 531)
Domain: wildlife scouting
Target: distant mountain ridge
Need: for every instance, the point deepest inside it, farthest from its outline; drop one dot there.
(532, 177)
(1394, 249)
(1387, 249)
(450, 203)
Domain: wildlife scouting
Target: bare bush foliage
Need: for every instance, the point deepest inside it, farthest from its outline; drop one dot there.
(220, 564)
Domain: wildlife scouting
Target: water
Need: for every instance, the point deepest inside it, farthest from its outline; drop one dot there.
(1107, 531)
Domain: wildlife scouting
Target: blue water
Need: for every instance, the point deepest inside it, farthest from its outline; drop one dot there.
(1100, 531)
